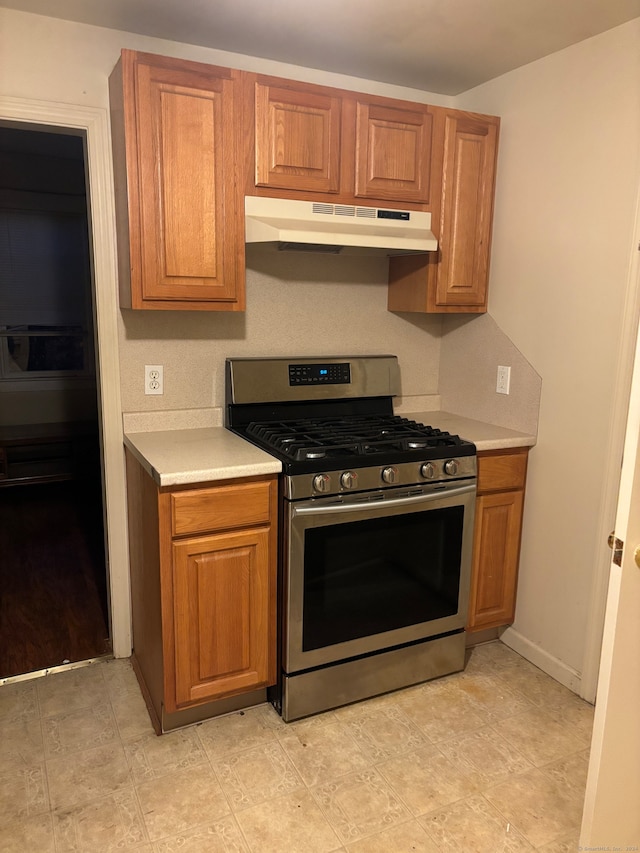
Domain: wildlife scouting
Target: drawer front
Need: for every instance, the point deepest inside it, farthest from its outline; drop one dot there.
(220, 508)
(501, 471)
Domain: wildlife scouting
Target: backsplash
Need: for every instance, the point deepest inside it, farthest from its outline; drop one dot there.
(300, 304)
(470, 352)
(305, 304)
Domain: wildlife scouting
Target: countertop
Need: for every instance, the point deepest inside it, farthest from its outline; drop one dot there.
(484, 436)
(183, 456)
(180, 456)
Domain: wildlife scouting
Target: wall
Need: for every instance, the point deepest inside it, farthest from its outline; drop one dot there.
(50, 70)
(296, 303)
(470, 351)
(563, 237)
(311, 310)
(567, 180)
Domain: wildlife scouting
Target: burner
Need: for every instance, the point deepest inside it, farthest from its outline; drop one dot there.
(318, 438)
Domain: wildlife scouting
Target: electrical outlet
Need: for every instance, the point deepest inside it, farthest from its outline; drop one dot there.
(504, 380)
(153, 379)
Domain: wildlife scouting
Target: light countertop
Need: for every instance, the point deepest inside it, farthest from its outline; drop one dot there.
(484, 436)
(180, 456)
(183, 456)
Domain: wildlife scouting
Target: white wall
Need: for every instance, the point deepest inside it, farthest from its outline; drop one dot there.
(46, 62)
(323, 307)
(568, 175)
(567, 179)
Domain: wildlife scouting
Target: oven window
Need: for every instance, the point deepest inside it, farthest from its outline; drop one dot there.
(366, 577)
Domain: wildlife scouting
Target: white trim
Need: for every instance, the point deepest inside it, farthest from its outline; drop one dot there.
(622, 390)
(95, 122)
(542, 659)
(614, 649)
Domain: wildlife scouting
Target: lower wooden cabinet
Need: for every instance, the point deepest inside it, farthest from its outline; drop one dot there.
(496, 549)
(203, 592)
(221, 590)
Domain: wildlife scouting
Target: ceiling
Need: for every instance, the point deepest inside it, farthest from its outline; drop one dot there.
(443, 46)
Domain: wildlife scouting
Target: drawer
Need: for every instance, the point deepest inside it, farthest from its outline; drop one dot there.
(220, 508)
(498, 472)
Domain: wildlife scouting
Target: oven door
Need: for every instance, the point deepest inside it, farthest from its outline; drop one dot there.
(371, 571)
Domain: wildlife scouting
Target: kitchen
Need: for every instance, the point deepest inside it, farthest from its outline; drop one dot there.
(551, 247)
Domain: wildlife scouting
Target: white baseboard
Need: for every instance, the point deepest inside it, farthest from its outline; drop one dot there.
(543, 660)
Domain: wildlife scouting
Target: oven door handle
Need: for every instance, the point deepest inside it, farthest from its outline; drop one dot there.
(363, 506)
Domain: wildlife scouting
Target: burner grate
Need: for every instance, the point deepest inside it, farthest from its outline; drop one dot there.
(342, 437)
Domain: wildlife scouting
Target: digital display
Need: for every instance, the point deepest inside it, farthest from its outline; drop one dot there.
(394, 214)
(320, 374)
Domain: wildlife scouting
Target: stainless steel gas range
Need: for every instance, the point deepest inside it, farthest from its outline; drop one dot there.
(376, 528)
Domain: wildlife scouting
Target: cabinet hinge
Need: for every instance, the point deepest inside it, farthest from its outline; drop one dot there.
(617, 546)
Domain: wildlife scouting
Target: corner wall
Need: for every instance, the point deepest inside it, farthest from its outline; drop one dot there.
(568, 177)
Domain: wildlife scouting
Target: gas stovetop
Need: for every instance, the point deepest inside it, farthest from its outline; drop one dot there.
(355, 440)
(331, 423)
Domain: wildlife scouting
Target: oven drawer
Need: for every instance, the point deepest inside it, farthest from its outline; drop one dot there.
(502, 470)
(222, 508)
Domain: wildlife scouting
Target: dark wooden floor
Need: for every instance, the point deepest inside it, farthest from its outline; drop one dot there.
(53, 602)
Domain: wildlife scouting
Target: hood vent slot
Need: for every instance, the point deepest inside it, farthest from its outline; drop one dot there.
(344, 210)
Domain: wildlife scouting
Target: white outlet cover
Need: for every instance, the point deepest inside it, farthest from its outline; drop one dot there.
(504, 380)
(153, 379)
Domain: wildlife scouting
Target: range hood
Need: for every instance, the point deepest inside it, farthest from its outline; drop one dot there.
(334, 228)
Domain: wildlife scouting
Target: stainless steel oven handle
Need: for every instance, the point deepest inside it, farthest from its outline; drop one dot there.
(363, 506)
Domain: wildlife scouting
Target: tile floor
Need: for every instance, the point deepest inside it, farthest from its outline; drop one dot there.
(492, 759)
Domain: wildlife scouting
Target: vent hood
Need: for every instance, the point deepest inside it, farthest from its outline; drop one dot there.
(320, 227)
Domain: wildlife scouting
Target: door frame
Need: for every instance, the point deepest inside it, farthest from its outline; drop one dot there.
(94, 122)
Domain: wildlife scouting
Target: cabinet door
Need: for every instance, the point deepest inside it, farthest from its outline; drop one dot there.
(393, 151)
(470, 145)
(185, 220)
(454, 279)
(496, 552)
(224, 615)
(297, 138)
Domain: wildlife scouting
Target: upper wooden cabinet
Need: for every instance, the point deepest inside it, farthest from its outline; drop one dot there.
(307, 140)
(297, 132)
(455, 278)
(180, 209)
(191, 140)
(393, 151)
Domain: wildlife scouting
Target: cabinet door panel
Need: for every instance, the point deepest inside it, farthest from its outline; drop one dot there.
(393, 152)
(468, 182)
(223, 614)
(185, 138)
(297, 139)
(495, 559)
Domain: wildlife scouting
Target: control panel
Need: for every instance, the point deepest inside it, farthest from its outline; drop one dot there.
(320, 374)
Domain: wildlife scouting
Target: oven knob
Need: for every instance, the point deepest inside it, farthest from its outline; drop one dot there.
(322, 482)
(390, 474)
(428, 471)
(451, 466)
(349, 480)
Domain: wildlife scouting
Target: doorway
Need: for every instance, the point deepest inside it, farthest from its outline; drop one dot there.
(53, 581)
